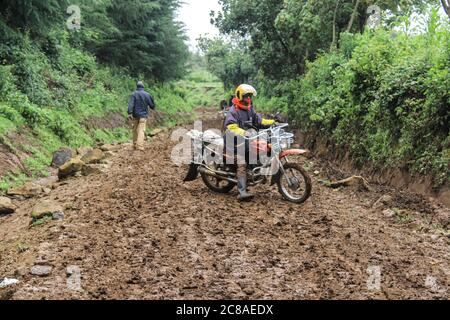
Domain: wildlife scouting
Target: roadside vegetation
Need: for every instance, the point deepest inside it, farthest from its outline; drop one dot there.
(70, 88)
(377, 89)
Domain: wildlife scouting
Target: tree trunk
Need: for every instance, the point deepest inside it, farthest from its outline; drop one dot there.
(352, 19)
(446, 5)
(334, 42)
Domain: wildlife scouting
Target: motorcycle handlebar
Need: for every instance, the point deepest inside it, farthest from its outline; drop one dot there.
(261, 132)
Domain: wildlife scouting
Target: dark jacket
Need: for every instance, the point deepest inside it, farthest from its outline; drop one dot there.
(239, 117)
(139, 104)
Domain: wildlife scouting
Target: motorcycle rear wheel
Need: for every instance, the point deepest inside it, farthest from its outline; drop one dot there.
(217, 185)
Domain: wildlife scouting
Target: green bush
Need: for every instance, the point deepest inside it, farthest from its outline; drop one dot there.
(11, 114)
(383, 96)
(49, 89)
(6, 82)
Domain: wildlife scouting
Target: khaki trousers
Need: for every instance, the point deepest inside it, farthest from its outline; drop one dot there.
(139, 133)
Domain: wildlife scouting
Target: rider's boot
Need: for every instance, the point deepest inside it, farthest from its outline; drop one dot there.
(242, 185)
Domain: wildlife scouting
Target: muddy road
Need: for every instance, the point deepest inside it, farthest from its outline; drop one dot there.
(138, 232)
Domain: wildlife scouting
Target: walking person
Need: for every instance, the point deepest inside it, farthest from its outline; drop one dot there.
(138, 111)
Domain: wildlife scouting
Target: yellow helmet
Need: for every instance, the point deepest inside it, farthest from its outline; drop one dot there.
(244, 89)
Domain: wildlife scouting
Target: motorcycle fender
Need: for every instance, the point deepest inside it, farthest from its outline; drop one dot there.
(192, 173)
(276, 177)
(293, 152)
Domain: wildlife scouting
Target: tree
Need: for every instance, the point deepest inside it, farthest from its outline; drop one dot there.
(141, 35)
(230, 61)
(446, 5)
(285, 34)
(34, 16)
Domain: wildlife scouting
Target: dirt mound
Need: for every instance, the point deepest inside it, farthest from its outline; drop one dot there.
(339, 164)
(11, 157)
(8, 161)
(416, 202)
(138, 232)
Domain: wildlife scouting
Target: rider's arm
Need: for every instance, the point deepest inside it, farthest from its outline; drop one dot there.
(234, 127)
(262, 123)
(267, 122)
(231, 123)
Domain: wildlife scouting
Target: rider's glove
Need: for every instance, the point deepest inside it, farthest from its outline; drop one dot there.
(266, 122)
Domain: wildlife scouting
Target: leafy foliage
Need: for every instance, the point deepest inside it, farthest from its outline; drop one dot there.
(231, 63)
(141, 35)
(285, 34)
(54, 81)
(380, 94)
(35, 16)
(387, 100)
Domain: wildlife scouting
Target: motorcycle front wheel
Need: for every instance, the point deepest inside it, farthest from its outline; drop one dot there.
(295, 184)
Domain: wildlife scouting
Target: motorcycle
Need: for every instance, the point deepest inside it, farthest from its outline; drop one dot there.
(293, 182)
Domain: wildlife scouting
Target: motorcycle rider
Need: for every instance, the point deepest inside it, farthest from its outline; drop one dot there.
(240, 115)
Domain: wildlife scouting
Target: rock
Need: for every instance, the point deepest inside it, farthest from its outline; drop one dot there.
(55, 230)
(444, 197)
(48, 181)
(6, 206)
(384, 201)
(41, 271)
(108, 154)
(46, 208)
(434, 237)
(388, 213)
(443, 217)
(249, 291)
(277, 222)
(58, 215)
(83, 151)
(93, 156)
(62, 156)
(191, 220)
(21, 272)
(109, 147)
(47, 190)
(106, 162)
(91, 169)
(316, 173)
(415, 225)
(70, 168)
(354, 181)
(28, 190)
(8, 282)
(156, 132)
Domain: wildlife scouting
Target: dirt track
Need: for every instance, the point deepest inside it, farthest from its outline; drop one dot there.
(138, 232)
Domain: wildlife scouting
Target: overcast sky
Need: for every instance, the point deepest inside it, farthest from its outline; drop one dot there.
(195, 15)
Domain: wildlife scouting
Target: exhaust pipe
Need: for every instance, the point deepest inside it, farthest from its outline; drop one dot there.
(217, 175)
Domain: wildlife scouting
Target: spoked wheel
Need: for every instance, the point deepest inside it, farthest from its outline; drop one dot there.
(295, 183)
(215, 184)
